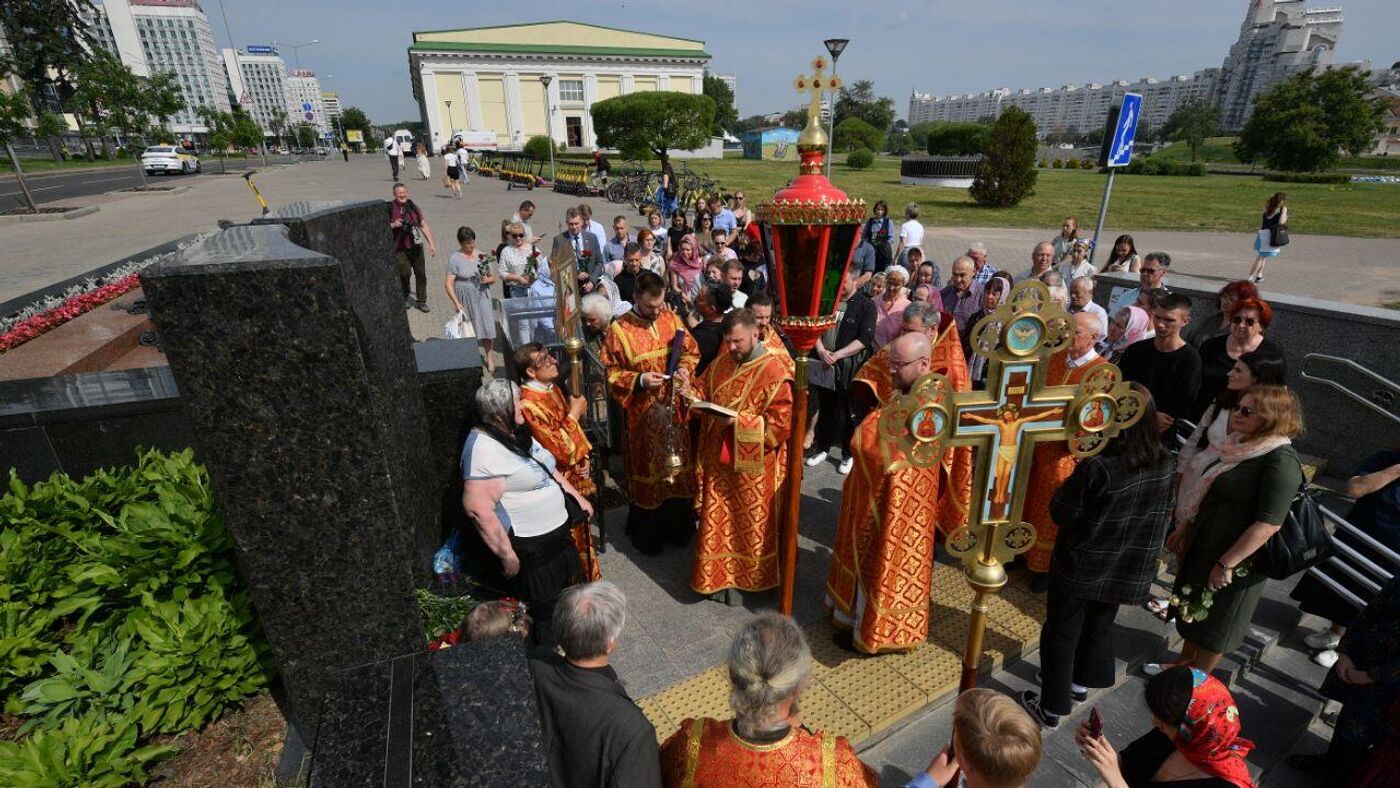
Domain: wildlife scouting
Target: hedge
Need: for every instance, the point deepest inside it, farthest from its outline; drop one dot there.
(859, 159)
(1307, 177)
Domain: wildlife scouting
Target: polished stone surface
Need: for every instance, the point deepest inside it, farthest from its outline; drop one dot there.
(449, 373)
(265, 342)
(465, 716)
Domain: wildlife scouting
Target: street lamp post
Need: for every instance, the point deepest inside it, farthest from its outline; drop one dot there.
(548, 121)
(450, 123)
(296, 49)
(835, 46)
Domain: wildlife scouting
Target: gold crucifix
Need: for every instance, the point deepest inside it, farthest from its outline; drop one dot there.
(815, 83)
(1003, 423)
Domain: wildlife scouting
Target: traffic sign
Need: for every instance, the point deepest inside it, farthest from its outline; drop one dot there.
(310, 116)
(305, 106)
(1120, 146)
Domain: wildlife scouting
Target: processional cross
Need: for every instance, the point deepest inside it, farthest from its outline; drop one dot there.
(816, 83)
(1003, 423)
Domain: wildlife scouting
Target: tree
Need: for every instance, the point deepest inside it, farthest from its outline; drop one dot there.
(49, 126)
(650, 123)
(853, 133)
(726, 116)
(794, 118)
(747, 124)
(122, 100)
(47, 39)
(956, 139)
(1303, 123)
(355, 119)
(227, 129)
(163, 97)
(14, 109)
(1007, 174)
(1192, 123)
(306, 135)
(859, 101)
(899, 142)
(277, 124)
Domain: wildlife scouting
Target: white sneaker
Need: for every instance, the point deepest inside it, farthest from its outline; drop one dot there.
(816, 459)
(1326, 658)
(845, 467)
(1326, 640)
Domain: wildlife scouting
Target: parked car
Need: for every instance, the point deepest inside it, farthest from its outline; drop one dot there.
(169, 159)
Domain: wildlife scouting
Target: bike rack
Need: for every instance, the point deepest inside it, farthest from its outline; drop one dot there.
(1386, 395)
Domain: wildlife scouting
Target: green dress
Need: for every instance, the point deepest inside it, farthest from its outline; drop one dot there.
(1257, 490)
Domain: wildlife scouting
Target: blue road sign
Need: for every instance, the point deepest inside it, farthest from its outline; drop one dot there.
(305, 106)
(1120, 150)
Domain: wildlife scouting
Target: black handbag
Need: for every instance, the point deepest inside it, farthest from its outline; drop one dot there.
(1278, 236)
(1300, 543)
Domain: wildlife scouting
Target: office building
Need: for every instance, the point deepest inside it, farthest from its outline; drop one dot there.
(1278, 39)
(304, 101)
(488, 78)
(331, 103)
(166, 36)
(257, 78)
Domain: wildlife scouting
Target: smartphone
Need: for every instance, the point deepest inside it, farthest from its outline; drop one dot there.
(1095, 723)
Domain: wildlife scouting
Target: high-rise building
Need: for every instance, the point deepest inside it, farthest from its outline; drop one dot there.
(305, 102)
(166, 36)
(1278, 39)
(733, 82)
(257, 78)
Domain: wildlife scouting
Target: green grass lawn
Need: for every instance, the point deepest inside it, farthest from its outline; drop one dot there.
(1215, 150)
(1221, 203)
(49, 165)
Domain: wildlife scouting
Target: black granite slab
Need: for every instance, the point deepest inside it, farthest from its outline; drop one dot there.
(465, 716)
(96, 394)
(264, 341)
(449, 373)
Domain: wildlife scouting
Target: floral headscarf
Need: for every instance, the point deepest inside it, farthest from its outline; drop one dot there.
(1210, 735)
(687, 268)
(1139, 328)
(977, 368)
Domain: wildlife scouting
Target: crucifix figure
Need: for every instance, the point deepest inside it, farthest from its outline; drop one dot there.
(1003, 423)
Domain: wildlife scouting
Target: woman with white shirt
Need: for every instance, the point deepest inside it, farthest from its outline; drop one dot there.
(515, 261)
(517, 499)
(911, 234)
(1077, 264)
(454, 172)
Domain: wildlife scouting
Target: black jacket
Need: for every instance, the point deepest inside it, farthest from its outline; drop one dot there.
(596, 735)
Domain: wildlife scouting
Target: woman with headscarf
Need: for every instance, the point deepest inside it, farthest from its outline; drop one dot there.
(1195, 740)
(993, 296)
(685, 265)
(889, 308)
(1130, 324)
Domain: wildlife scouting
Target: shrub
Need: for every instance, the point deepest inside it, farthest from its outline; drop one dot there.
(1042, 164)
(1058, 164)
(1088, 164)
(537, 147)
(1307, 177)
(1155, 165)
(123, 618)
(1007, 174)
(957, 139)
(860, 159)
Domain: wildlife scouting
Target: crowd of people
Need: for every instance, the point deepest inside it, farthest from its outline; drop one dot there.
(680, 315)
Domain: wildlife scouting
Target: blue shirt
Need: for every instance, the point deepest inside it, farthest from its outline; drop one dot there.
(921, 780)
(724, 220)
(983, 276)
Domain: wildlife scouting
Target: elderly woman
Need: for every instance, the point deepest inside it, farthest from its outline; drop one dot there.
(468, 285)
(766, 743)
(1249, 320)
(685, 266)
(1218, 323)
(514, 263)
(516, 497)
(1130, 324)
(889, 308)
(993, 296)
(1226, 514)
(1195, 738)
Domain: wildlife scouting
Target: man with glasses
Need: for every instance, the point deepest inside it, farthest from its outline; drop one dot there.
(1151, 276)
(881, 577)
(1169, 366)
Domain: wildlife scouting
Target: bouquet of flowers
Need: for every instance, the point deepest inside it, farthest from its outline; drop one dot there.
(532, 265)
(483, 265)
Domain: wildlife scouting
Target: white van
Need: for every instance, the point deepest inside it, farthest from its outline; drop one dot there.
(476, 140)
(405, 141)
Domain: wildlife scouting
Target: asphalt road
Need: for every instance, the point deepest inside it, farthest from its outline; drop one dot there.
(49, 187)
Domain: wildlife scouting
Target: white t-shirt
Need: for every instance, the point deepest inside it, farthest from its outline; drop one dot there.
(391, 147)
(449, 159)
(911, 233)
(533, 502)
(1070, 272)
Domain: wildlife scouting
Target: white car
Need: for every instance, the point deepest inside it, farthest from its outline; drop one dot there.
(169, 159)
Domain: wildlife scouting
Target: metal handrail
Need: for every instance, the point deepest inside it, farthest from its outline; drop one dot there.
(1348, 392)
(1360, 535)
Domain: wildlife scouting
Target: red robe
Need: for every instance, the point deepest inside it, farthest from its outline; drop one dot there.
(547, 413)
(706, 753)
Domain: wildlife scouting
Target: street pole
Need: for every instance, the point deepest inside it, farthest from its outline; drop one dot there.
(549, 123)
(19, 176)
(835, 46)
(1103, 212)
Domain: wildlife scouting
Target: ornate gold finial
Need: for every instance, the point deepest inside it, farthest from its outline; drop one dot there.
(815, 83)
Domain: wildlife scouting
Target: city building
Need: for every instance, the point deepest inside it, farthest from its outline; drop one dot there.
(166, 36)
(257, 78)
(1278, 39)
(488, 78)
(733, 82)
(331, 102)
(304, 101)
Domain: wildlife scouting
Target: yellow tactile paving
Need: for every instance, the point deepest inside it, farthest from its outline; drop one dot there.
(931, 668)
(702, 695)
(876, 692)
(826, 655)
(821, 710)
(661, 721)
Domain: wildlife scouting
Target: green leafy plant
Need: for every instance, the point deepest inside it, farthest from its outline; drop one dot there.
(860, 159)
(1193, 604)
(537, 147)
(93, 750)
(442, 614)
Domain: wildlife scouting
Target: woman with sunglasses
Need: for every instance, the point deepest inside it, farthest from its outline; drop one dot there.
(742, 214)
(1223, 517)
(515, 261)
(1249, 319)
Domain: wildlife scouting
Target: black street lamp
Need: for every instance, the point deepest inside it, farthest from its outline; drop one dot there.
(835, 46)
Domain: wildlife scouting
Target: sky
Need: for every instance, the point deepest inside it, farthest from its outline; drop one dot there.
(935, 46)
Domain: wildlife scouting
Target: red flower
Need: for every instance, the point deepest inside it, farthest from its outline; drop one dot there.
(32, 327)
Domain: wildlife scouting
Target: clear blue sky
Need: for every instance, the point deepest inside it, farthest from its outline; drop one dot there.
(938, 46)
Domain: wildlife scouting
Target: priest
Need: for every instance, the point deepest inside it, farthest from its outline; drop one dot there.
(744, 405)
(639, 349)
(1053, 463)
(555, 425)
(761, 304)
(881, 578)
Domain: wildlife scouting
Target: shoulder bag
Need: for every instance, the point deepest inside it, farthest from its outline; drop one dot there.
(1300, 543)
(1278, 236)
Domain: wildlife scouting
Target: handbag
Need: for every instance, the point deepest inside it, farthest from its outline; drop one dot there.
(455, 327)
(1300, 543)
(1278, 235)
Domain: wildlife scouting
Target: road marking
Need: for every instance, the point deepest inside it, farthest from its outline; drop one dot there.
(32, 189)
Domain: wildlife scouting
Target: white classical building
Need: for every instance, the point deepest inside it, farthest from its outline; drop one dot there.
(166, 36)
(488, 78)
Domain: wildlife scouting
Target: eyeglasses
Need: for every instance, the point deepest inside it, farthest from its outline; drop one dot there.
(898, 365)
(1245, 410)
(546, 360)
(517, 235)
(1150, 270)
(1248, 321)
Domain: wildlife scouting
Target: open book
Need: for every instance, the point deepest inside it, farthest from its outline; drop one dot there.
(710, 407)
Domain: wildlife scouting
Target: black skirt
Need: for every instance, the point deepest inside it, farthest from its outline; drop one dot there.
(549, 564)
(454, 173)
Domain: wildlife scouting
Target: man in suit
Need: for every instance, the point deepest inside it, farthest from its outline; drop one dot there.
(588, 253)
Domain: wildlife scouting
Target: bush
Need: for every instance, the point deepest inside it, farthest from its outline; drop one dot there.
(537, 147)
(860, 159)
(1007, 173)
(1058, 164)
(1088, 164)
(122, 619)
(957, 139)
(1307, 177)
(1155, 165)
(1042, 164)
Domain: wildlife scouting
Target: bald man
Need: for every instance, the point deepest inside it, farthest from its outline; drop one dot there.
(881, 578)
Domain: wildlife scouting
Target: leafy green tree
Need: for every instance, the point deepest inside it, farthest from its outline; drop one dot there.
(747, 124)
(726, 116)
(956, 139)
(163, 97)
(853, 133)
(355, 119)
(228, 129)
(1304, 123)
(1192, 123)
(537, 147)
(1007, 174)
(46, 40)
(51, 126)
(123, 100)
(899, 142)
(306, 135)
(795, 118)
(859, 101)
(14, 109)
(277, 124)
(650, 123)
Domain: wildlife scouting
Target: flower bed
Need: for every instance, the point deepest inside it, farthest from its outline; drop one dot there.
(46, 321)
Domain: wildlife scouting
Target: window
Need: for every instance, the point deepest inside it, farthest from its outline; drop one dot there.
(571, 90)
(573, 130)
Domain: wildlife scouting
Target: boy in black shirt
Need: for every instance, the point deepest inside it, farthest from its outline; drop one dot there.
(1166, 364)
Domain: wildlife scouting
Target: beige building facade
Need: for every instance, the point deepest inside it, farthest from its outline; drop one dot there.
(488, 79)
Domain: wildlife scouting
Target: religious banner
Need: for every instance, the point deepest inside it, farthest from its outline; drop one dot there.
(563, 269)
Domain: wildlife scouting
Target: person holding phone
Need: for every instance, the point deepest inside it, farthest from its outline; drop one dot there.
(1195, 739)
(995, 745)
